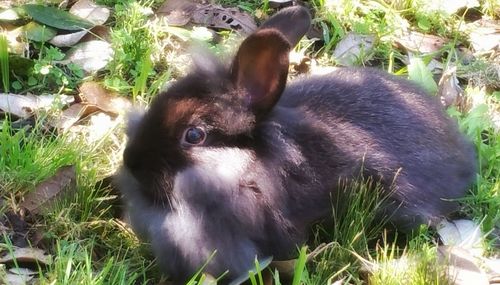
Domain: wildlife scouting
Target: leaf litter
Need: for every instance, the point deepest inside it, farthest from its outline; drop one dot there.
(417, 42)
(351, 48)
(90, 11)
(23, 255)
(180, 13)
(91, 56)
(25, 106)
(95, 94)
(62, 183)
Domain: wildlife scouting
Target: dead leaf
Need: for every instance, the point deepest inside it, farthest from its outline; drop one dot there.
(462, 266)
(177, 12)
(422, 43)
(67, 40)
(19, 229)
(448, 88)
(27, 255)
(180, 13)
(463, 233)
(9, 15)
(95, 94)
(98, 33)
(16, 279)
(22, 271)
(451, 6)
(15, 41)
(90, 11)
(24, 106)
(216, 16)
(73, 114)
(63, 182)
(91, 56)
(18, 105)
(349, 50)
(485, 35)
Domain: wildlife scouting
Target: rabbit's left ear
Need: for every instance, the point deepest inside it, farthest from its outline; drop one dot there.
(260, 69)
(293, 22)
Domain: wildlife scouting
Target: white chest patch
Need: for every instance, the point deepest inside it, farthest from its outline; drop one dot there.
(215, 169)
(229, 163)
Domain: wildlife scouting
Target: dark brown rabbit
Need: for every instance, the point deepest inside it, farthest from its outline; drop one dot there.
(234, 160)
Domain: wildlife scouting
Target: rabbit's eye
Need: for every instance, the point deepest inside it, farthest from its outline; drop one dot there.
(194, 135)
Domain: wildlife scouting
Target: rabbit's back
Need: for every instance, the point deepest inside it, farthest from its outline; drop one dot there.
(392, 129)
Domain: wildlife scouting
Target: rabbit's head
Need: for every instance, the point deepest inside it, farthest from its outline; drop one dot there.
(190, 164)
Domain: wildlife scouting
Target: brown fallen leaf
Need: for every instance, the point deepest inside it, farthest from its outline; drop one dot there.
(448, 88)
(99, 32)
(177, 12)
(72, 115)
(19, 229)
(108, 101)
(216, 16)
(27, 255)
(418, 42)
(180, 13)
(45, 193)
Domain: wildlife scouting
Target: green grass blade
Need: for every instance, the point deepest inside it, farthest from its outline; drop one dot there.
(140, 82)
(4, 63)
(300, 266)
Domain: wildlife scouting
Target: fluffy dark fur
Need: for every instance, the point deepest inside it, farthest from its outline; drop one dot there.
(274, 153)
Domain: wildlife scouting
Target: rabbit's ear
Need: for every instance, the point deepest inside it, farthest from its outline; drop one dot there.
(292, 22)
(260, 69)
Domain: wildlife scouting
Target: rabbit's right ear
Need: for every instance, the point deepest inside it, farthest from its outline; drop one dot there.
(293, 22)
(260, 68)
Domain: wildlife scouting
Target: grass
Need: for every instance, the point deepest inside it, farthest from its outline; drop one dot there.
(4, 64)
(90, 246)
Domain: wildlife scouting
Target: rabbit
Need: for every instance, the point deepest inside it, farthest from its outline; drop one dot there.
(231, 163)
